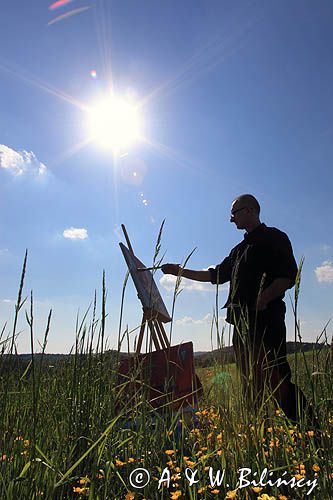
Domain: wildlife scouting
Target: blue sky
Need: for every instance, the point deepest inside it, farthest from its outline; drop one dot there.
(235, 96)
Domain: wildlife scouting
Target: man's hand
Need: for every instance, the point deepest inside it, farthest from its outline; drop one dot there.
(171, 269)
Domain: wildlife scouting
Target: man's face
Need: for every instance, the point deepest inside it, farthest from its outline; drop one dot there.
(239, 214)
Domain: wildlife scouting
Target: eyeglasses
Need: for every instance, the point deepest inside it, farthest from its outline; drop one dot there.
(232, 214)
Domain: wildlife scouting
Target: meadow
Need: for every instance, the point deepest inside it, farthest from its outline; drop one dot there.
(74, 430)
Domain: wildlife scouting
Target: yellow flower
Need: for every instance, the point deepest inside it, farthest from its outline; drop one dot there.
(270, 429)
(231, 494)
(256, 489)
(310, 434)
(202, 490)
(315, 468)
(129, 496)
(219, 453)
(26, 442)
(175, 495)
(219, 437)
(282, 497)
(298, 477)
(130, 460)
(189, 463)
(215, 492)
(82, 491)
(169, 452)
(84, 480)
(264, 496)
(119, 463)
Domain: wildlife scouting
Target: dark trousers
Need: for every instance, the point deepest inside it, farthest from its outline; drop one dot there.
(259, 342)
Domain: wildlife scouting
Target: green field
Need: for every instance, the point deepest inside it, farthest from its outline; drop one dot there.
(71, 430)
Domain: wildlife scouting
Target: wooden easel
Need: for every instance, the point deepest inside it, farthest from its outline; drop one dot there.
(151, 318)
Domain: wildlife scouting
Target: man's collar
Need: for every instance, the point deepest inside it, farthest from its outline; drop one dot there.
(254, 232)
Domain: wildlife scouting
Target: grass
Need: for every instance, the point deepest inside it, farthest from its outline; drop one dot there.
(74, 431)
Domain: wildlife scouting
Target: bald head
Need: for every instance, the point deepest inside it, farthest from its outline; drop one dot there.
(248, 200)
(245, 211)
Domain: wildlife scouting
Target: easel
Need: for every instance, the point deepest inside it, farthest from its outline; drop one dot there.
(150, 317)
(168, 371)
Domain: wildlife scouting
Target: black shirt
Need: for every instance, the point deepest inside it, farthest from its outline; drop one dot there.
(264, 255)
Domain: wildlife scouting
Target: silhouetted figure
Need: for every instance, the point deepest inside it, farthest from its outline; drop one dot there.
(260, 269)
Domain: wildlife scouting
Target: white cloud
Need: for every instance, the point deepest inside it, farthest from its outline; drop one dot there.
(188, 320)
(75, 233)
(20, 162)
(168, 282)
(324, 273)
(7, 301)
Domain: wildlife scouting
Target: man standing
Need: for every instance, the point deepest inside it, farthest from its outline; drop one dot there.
(260, 269)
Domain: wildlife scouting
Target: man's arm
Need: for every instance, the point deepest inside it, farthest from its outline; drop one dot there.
(273, 291)
(191, 274)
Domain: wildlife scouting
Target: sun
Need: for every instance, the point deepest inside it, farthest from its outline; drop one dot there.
(114, 123)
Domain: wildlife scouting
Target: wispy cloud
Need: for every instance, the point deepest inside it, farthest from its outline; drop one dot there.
(8, 301)
(324, 273)
(75, 233)
(325, 248)
(20, 162)
(188, 320)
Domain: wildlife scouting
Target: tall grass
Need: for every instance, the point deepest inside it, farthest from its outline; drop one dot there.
(74, 430)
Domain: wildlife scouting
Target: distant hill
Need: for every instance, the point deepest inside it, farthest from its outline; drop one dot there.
(226, 354)
(202, 358)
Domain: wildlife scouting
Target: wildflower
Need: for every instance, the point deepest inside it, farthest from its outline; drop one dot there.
(189, 463)
(4, 457)
(130, 460)
(310, 434)
(84, 480)
(175, 495)
(170, 463)
(215, 492)
(219, 453)
(264, 496)
(282, 497)
(256, 489)
(219, 437)
(298, 476)
(26, 442)
(315, 468)
(202, 490)
(82, 491)
(270, 429)
(119, 463)
(231, 494)
(129, 496)
(169, 452)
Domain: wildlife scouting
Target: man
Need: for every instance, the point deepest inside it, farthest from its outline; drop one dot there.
(260, 269)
